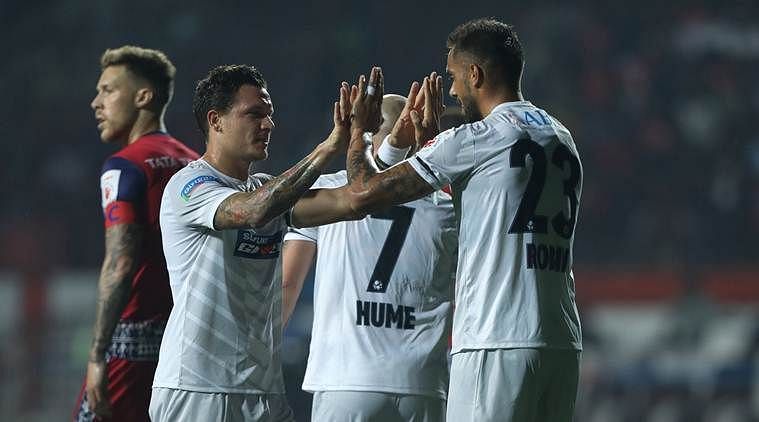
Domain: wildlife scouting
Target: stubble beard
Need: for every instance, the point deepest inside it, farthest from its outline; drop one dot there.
(471, 112)
(469, 107)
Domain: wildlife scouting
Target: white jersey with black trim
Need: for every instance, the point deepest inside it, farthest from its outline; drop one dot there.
(516, 179)
(224, 332)
(382, 298)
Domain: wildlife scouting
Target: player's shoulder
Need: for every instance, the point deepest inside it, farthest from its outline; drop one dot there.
(117, 162)
(458, 134)
(189, 178)
(144, 146)
(523, 115)
(197, 170)
(465, 133)
(152, 151)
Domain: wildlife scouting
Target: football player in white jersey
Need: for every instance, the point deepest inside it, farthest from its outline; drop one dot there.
(382, 304)
(516, 179)
(222, 228)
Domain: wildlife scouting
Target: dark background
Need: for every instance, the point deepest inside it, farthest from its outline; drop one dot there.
(662, 101)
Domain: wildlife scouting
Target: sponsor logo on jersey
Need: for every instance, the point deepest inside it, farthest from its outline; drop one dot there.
(535, 118)
(166, 162)
(429, 143)
(387, 315)
(109, 186)
(252, 245)
(194, 183)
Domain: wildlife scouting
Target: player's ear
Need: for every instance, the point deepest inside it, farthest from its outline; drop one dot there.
(143, 97)
(213, 118)
(476, 75)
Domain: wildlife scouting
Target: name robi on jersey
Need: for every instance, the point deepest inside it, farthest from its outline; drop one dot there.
(380, 314)
(547, 257)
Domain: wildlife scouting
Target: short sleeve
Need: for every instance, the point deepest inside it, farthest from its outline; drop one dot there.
(122, 187)
(309, 234)
(195, 196)
(446, 158)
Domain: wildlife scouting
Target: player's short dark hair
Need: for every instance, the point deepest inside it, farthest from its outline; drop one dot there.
(491, 44)
(217, 90)
(151, 65)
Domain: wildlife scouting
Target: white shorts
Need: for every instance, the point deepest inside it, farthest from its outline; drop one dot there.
(367, 406)
(170, 405)
(525, 385)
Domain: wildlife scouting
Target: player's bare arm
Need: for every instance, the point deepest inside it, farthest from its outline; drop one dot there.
(297, 259)
(122, 243)
(255, 209)
(371, 189)
(324, 206)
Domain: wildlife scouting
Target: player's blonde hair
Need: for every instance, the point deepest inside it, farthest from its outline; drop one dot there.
(151, 65)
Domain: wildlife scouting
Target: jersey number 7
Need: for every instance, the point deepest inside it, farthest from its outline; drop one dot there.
(391, 250)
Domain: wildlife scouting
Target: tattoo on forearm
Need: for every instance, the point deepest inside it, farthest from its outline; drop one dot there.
(122, 243)
(396, 185)
(360, 166)
(272, 199)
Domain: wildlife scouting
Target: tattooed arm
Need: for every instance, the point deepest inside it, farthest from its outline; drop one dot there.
(255, 209)
(369, 188)
(122, 243)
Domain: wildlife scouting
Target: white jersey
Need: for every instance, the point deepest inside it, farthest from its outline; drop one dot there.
(382, 298)
(516, 178)
(224, 332)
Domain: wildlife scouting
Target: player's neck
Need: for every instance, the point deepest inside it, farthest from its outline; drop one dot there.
(488, 102)
(145, 123)
(236, 168)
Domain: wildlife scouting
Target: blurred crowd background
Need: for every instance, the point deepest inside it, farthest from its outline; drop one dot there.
(661, 98)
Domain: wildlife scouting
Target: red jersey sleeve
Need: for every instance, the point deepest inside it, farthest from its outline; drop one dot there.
(123, 186)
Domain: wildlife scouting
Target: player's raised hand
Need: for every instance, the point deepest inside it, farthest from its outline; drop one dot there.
(97, 389)
(402, 134)
(341, 117)
(366, 101)
(428, 106)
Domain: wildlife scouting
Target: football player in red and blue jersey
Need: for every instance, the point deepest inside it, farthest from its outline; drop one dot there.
(134, 298)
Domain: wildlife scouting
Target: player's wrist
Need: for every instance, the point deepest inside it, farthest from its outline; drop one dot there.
(393, 140)
(390, 154)
(357, 131)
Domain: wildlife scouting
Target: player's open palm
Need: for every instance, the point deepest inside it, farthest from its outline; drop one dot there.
(428, 106)
(402, 134)
(366, 101)
(341, 117)
(97, 389)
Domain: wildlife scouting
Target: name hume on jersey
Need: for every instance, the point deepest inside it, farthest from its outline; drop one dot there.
(381, 314)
